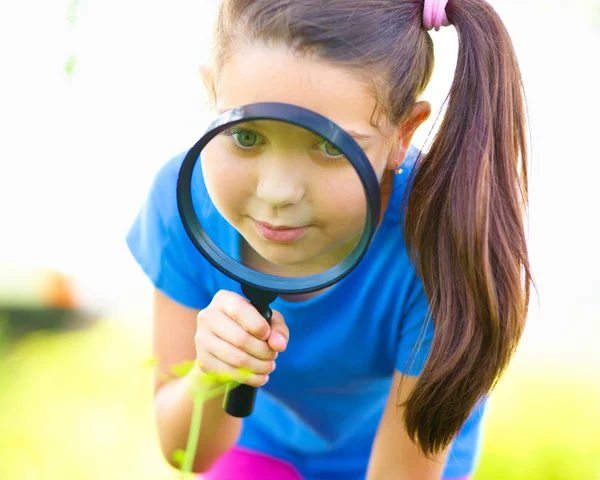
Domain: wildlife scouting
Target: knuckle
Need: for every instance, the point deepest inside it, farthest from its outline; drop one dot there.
(220, 294)
(258, 326)
(235, 307)
(221, 297)
(266, 367)
(241, 360)
(199, 338)
(259, 368)
(218, 368)
(201, 317)
(204, 362)
(262, 329)
(249, 318)
(242, 340)
(251, 381)
(257, 380)
(266, 354)
(205, 319)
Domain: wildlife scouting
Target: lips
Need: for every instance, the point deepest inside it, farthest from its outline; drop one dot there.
(279, 233)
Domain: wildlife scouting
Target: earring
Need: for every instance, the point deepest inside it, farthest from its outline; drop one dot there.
(398, 171)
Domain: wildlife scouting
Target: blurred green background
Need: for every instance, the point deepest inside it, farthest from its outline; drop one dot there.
(96, 95)
(77, 405)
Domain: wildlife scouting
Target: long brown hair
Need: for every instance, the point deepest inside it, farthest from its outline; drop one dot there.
(464, 223)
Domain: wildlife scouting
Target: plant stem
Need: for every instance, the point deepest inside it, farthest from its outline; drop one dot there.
(192, 443)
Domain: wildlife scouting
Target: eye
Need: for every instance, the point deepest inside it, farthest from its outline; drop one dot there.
(244, 138)
(330, 149)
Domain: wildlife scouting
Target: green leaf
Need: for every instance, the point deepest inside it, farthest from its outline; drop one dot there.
(205, 384)
(178, 457)
(70, 65)
(225, 377)
(72, 11)
(222, 377)
(150, 362)
(183, 368)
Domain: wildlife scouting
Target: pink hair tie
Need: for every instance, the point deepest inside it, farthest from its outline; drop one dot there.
(434, 14)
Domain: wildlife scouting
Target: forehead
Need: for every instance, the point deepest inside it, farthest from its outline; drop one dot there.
(261, 73)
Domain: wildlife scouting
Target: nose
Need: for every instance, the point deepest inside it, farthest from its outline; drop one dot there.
(279, 183)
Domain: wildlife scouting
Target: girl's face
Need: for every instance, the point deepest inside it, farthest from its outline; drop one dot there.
(266, 175)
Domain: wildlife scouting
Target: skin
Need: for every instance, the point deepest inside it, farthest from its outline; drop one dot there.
(284, 176)
(229, 333)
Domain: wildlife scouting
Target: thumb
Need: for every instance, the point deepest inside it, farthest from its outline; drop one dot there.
(280, 334)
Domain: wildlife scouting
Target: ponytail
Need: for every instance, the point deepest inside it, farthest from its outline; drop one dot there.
(465, 230)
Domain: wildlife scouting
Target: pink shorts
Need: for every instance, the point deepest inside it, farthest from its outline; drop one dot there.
(243, 464)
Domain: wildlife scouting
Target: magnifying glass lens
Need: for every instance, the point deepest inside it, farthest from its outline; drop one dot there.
(279, 198)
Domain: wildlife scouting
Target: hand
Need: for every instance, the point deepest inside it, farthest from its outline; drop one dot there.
(231, 334)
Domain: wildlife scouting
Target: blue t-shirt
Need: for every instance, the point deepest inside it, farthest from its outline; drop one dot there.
(321, 408)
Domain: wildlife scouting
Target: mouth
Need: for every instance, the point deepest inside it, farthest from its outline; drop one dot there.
(279, 233)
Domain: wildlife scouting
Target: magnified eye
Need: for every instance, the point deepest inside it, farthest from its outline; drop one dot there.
(330, 149)
(244, 138)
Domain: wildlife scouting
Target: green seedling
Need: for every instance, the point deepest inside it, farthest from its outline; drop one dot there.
(205, 386)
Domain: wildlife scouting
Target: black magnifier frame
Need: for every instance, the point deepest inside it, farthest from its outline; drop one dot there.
(261, 288)
(317, 124)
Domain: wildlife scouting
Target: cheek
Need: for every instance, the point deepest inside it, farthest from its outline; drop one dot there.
(226, 184)
(342, 204)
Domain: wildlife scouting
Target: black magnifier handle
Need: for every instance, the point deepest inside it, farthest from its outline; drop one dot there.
(239, 400)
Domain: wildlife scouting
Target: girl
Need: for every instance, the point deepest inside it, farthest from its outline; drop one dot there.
(392, 389)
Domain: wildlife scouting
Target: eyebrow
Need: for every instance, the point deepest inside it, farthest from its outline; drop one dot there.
(358, 136)
(353, 133)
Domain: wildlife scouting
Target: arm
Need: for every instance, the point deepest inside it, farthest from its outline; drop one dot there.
(174, 329)
(394, 455)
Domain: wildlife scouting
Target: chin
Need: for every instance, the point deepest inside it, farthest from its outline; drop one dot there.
(285, 255)
(309, 255)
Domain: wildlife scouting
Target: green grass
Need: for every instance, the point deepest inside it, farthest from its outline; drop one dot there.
(543, 424)
(77, 405)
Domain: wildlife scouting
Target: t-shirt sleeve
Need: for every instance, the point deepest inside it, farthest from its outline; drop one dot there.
(160, 245)
(415, 332)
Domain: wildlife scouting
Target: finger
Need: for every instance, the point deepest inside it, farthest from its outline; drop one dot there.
(237, 358)
(226, 329)
(241, 310)
(280, 333)
(213, 365)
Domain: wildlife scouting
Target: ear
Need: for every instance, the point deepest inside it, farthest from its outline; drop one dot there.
(207, 78)
(419, 113)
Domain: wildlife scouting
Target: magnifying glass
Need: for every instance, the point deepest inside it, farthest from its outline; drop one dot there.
(300, 195)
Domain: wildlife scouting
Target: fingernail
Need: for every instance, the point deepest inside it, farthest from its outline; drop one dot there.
(273, 366)
(266, 379)
(282, 339)
(276, 355)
